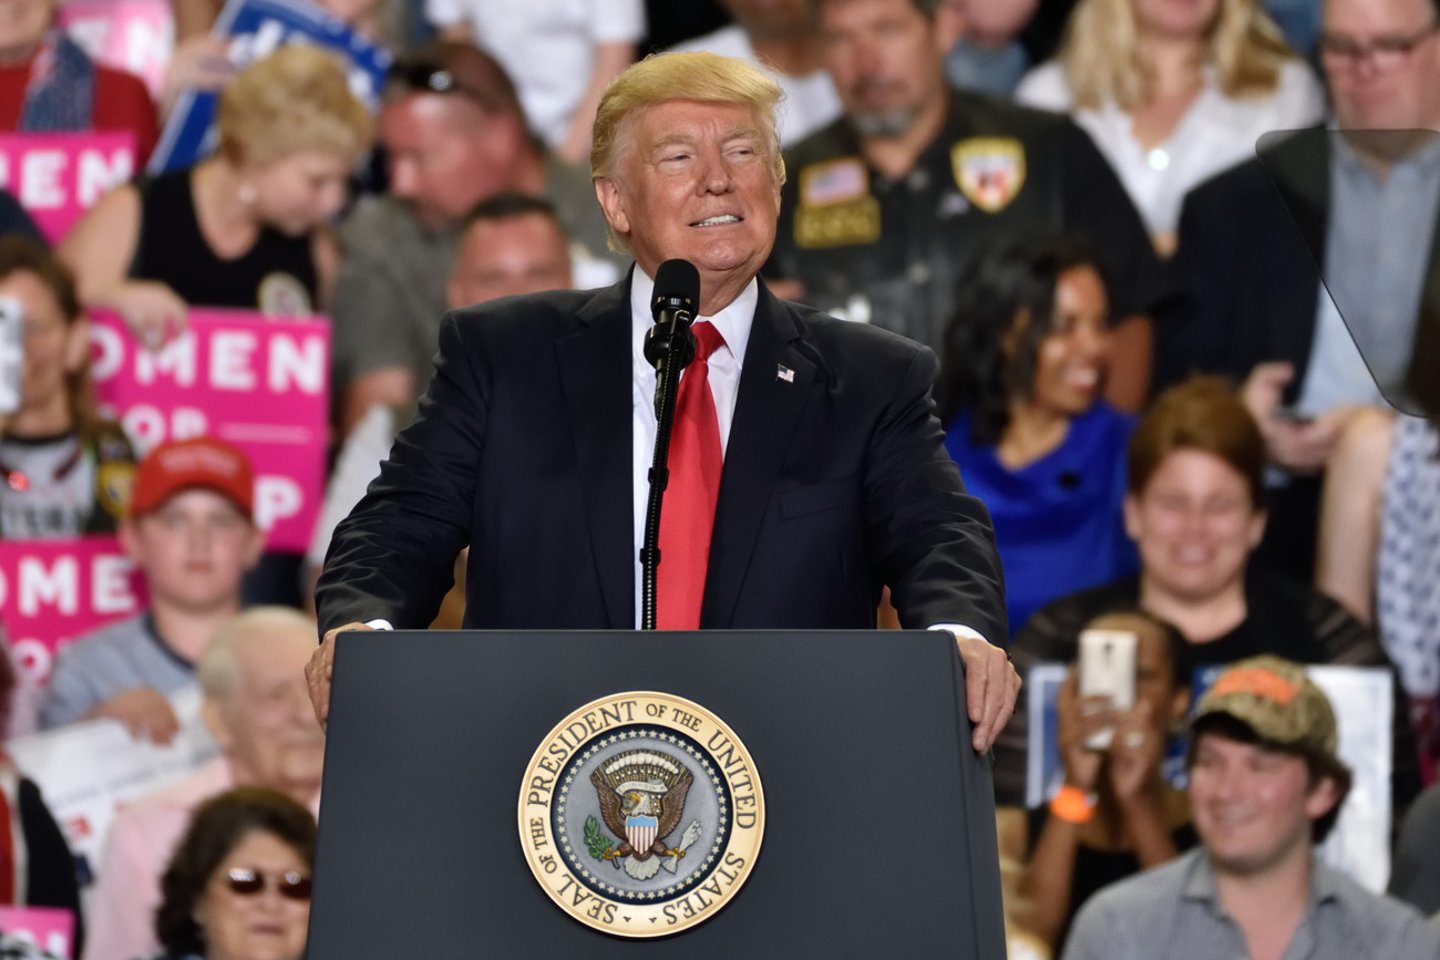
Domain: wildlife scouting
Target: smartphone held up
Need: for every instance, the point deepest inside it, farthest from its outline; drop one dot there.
(12, 353)
(1107, 669)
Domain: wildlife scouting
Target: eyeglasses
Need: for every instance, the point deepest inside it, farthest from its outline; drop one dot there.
(1384, 53)
(292, 884)
(429, 76)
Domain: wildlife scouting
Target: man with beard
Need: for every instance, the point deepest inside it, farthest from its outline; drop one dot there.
(887, 206)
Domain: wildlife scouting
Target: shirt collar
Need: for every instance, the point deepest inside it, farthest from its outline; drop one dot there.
(152, 632)
(1423, 160)
(733, 322)
(1200, 879)
(1200, 882)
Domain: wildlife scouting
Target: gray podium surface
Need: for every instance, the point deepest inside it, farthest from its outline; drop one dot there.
(880, 829)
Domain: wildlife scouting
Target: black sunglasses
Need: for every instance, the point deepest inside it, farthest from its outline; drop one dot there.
(292, 884)
(428, 76)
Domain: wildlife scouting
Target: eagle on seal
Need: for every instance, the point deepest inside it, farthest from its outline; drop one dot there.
(642, 797)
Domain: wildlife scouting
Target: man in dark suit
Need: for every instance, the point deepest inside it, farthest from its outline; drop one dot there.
(533, 442)
(1354, 209)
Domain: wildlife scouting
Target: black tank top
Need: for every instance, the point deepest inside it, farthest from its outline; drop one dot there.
(275, 276)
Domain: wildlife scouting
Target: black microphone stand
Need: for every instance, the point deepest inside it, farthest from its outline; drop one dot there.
(669, 347)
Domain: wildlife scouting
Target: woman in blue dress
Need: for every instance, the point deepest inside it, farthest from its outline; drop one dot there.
(1026, 354)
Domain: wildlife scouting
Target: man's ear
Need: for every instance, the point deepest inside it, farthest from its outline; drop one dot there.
(254, 548)
(612, 202)
(214, 719)
(1322, 798)
(129, 540)
(1257, 528)
(949, 25)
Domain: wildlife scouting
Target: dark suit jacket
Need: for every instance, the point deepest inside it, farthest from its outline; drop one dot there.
(834, 484)
(1248, 269)
(1250, 259)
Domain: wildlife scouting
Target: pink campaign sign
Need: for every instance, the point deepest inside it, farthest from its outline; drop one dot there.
(262, 384)
(49, 928)
(133, 35)
(51, 592)
(56, 177)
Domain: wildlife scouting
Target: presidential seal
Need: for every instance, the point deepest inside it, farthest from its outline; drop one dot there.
(641, 814)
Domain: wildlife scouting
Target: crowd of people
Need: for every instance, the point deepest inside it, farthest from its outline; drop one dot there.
(1186, 361)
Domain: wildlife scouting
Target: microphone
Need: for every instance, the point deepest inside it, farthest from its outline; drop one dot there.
(669, 346)
(674, 303)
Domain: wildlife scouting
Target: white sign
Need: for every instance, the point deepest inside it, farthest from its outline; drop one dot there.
(87, 769)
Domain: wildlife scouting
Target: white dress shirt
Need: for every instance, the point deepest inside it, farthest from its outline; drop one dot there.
(733, 324)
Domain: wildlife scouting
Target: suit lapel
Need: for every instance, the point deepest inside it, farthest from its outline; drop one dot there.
(767, 411)
(596, 378)
(1299, 169)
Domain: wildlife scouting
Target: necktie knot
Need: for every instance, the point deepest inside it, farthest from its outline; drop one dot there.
(707, 339)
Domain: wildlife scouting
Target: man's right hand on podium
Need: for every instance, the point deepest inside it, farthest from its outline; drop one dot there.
(321, 665)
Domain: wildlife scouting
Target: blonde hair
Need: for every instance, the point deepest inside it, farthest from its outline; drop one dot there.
(296, 99)
(660, 77)
(1103, 61)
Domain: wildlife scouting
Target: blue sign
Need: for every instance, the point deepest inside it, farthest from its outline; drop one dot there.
(256, 28)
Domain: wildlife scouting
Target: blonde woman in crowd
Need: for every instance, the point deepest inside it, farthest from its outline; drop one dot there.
(248, 226)
(1174, 91)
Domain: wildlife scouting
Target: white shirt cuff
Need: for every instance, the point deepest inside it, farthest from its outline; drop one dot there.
(959, 630)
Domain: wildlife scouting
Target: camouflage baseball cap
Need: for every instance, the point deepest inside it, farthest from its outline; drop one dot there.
(1276, 699)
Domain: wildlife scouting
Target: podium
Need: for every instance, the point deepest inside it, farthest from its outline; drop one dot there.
(879, 827)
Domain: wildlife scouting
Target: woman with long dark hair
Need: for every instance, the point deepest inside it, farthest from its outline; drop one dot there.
(1026, 355)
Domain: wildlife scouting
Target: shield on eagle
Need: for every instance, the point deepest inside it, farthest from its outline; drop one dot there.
(640, 831)
(642, 797)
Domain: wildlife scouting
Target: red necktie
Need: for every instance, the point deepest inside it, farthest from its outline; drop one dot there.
(688, 515)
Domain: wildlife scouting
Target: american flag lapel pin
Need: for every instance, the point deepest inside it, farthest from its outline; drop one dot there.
(783, 372)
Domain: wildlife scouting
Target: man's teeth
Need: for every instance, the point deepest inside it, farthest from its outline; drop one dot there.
(715, 221)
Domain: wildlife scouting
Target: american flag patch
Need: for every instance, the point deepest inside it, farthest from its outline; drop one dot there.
(785, 373)
(833, 182)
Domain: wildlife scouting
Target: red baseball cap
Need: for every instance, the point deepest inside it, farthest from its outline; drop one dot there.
(200, 462)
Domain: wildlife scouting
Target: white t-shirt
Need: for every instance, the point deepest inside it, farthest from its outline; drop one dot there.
(810, 101)
(1217, 132)
(546, 46)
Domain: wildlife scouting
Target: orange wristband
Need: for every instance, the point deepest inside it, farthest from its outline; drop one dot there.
(1072, 805)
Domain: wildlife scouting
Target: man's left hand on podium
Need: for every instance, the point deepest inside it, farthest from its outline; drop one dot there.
(991, 687)
(320, 668)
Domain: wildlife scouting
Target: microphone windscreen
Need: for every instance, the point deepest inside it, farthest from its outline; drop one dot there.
(678, 280)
